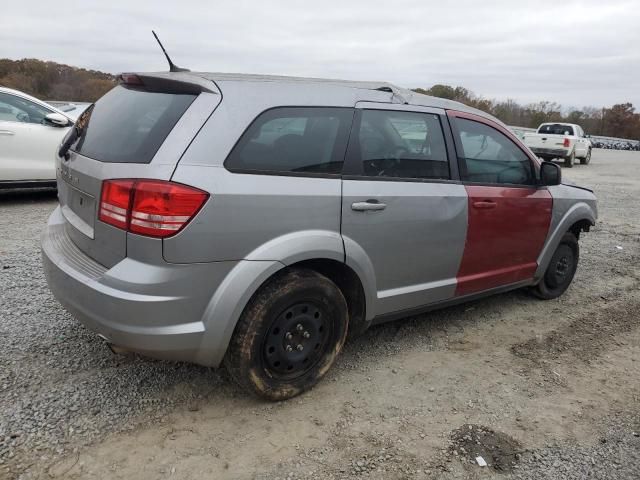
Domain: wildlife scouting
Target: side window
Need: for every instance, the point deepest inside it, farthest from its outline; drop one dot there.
(401, 145)
(489, 156)
(294, 140)
(16, 109)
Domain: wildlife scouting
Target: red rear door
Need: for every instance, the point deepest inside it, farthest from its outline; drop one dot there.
(509, 215)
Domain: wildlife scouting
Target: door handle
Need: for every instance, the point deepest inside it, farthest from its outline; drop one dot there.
(485, 204)
(369, 205)
(6, 132)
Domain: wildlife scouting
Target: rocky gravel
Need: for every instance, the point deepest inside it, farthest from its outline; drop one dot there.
(538, 389)
(60, 386)
(615, 454)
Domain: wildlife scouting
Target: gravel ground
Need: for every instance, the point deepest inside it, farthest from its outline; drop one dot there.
(616, 454)
(541, 389)
(59, 385)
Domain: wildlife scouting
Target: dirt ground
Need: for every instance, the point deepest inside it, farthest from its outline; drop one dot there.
(504, 378)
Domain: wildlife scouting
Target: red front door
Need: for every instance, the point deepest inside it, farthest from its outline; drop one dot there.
(508, 214)
(506, 231)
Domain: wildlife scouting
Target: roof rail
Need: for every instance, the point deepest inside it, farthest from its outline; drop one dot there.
(397, 95)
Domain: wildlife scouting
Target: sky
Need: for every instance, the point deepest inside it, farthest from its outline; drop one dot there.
(577, 53)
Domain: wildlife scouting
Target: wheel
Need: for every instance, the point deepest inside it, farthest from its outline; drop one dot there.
(570, 160)
(288, 336)
(587, 159)
(561, 269)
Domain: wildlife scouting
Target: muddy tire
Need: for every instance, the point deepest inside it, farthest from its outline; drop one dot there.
(561, 269)
(587, 159)
(288, 336)
(570, 160)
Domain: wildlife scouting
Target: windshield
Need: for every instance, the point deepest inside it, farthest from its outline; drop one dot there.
(556, 129)
(128, 126)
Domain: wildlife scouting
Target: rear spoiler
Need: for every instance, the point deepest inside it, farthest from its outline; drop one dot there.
(168, 82)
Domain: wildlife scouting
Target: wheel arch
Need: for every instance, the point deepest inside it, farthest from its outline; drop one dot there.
(337, 257)
(583, 225)
(349, 284)
(579, 218)
(321, 251)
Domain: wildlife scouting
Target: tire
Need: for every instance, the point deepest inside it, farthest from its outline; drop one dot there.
(570, 160)
(561, 269)
(288, 335)
(587, 159)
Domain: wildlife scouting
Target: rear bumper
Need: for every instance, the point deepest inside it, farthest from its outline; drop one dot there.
(550, 152)
(154, 309)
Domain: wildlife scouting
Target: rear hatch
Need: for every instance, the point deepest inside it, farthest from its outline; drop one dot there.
(140, 129)
(536, 140)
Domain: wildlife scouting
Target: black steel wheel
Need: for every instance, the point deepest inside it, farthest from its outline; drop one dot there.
(561, 269)
(289, 335)
(297, 339)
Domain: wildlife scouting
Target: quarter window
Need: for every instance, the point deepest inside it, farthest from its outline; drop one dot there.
(401, 145)
(294, 140)
(489, 156)
(16, 109)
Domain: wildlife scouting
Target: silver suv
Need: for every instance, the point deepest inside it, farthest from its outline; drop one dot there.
(257, 221)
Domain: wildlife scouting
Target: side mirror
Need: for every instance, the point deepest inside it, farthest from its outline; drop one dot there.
(550, 174)
(56, 120)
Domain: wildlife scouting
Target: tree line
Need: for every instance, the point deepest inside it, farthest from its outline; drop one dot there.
(54, 81)
(620, 120)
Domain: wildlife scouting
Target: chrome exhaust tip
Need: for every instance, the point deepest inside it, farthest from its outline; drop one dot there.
(115, 349)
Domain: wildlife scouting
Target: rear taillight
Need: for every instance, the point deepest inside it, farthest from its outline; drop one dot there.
(115, 202)
(566, 143)
(155, 208)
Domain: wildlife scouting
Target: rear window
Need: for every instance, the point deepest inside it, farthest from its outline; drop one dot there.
(128, 125)
(556, 129)
(304, 140)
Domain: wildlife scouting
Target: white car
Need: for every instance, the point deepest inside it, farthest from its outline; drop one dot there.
(560, 140)
(30, 132)
(71, 109)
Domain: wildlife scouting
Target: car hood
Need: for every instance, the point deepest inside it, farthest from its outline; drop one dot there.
(73, 110)
(569, 183)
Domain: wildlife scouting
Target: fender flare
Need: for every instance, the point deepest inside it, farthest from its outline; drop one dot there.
(358, 260)
(321, 244)
(578, 212)
(232, 295)
(225, 307)
(302, 245)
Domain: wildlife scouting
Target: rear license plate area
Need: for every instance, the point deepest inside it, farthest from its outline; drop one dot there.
(79, 209)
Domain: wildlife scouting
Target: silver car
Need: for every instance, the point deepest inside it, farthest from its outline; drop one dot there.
(257, 221)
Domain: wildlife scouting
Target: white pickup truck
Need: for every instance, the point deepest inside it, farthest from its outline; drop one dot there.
(560, 140)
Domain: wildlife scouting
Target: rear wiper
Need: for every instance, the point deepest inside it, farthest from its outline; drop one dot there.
(76, 132)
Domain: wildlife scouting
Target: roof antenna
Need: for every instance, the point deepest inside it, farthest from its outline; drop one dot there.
(172, 66)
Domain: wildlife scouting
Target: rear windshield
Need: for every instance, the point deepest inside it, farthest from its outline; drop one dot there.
(556, 129)
(128, 126)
